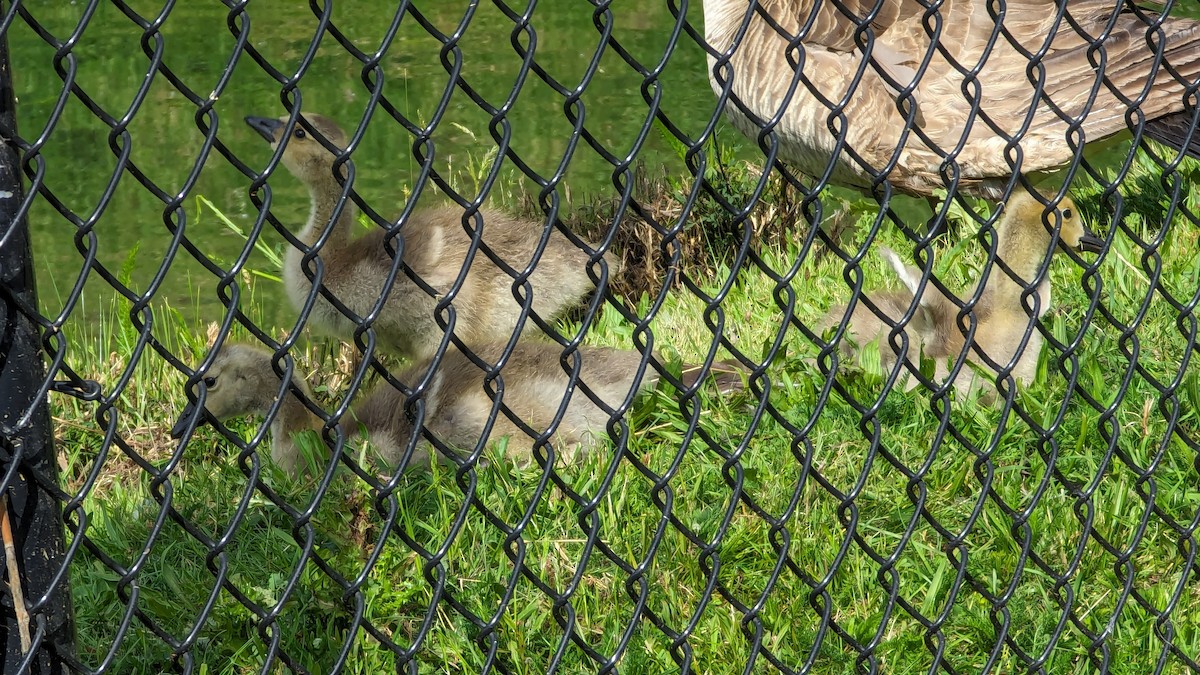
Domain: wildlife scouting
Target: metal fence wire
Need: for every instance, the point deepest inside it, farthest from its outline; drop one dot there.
(833, 509)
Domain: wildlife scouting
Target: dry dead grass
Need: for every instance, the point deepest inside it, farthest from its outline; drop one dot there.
(653, 246)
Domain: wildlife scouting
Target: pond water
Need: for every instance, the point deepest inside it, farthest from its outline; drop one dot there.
(132, 233)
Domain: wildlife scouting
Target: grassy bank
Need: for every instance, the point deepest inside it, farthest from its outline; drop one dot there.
(880, 520)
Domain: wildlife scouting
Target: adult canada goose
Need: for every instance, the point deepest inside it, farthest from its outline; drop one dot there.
(874, 116)
(242, 381)
(435, 246)
(1023, 244)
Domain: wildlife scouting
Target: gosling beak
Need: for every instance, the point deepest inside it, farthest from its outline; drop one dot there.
(1091, 243)
(185, 418)
(265, 126)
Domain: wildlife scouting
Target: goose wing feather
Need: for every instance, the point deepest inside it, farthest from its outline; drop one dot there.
(980, 59)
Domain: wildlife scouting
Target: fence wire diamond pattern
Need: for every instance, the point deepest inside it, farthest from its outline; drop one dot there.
(763, 490)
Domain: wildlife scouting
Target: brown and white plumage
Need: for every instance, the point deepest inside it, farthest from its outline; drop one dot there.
(831, 55)
(435, 248)
(1023, 243)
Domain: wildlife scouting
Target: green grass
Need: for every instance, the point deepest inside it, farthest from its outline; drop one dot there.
(822, 493)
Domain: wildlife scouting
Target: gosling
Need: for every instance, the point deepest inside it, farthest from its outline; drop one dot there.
(1023, 244)
(435, 247)
(241, 381)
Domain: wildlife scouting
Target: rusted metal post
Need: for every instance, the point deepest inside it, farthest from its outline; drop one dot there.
(33, 512)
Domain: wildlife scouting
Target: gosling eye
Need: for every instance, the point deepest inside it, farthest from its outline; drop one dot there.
(210, 381)
(1067, 214)
(299, 133)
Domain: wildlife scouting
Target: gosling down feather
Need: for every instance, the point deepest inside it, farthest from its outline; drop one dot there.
(877, 116)
(435, 248)
(241, 381)
(1001, 318)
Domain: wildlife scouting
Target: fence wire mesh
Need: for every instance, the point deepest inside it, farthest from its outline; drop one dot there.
(820, 492)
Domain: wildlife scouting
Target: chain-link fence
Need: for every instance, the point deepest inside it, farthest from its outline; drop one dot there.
(469, 337)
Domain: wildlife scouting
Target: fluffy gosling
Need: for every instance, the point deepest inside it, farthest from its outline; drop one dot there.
(241, 381)
(435, 247)
(1023, 244)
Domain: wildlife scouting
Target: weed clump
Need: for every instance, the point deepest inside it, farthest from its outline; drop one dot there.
(686, 226)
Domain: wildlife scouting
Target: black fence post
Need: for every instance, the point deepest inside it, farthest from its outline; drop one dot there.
(34, 515)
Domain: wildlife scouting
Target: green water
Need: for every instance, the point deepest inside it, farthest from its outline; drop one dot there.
(131, 232)
(132, 239)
